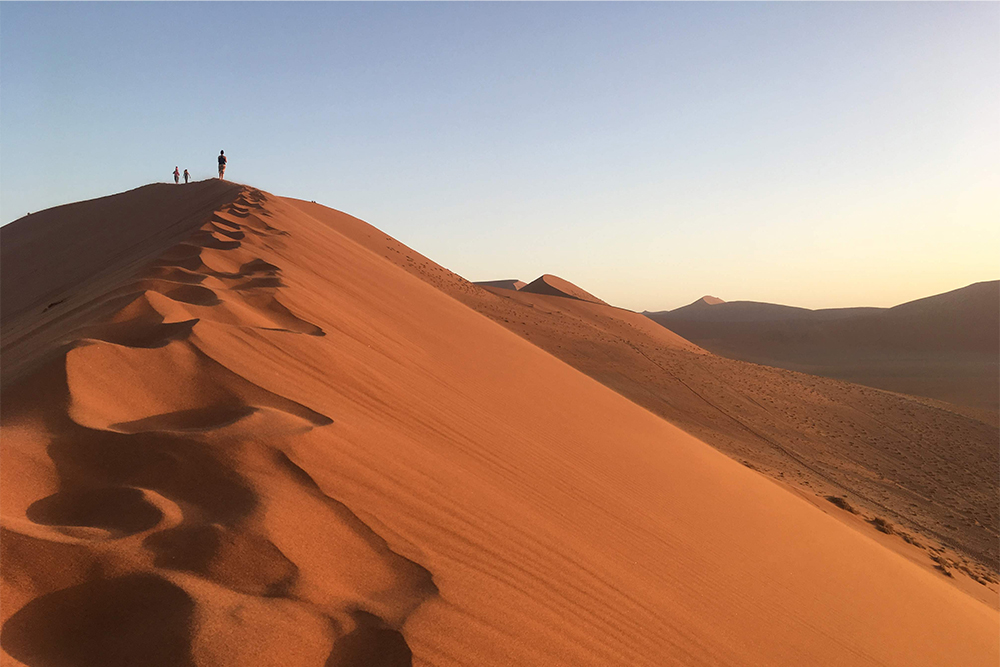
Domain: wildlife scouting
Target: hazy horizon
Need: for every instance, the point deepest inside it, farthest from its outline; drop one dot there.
(814, 155)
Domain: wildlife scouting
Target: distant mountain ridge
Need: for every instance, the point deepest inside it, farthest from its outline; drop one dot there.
(944, 346)
(713, 309)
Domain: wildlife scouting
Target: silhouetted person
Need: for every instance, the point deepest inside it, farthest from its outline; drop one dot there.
(177, 175)
(222, 164)
(186, 176)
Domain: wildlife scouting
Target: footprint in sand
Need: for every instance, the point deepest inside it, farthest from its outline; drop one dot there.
(119, 510)
(139, 619)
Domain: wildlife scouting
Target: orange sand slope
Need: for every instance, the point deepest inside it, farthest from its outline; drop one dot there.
(927, 468)
(282, 449)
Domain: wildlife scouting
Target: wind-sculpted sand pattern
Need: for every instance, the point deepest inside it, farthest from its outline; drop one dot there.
(156, 533)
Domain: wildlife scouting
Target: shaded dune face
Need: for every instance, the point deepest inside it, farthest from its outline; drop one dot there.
(511, 284)
(555, 286)
(159, 454)
(942, 347)
(129, 620)
(120, 510)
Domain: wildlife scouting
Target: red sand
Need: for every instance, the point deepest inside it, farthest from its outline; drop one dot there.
(273, 446)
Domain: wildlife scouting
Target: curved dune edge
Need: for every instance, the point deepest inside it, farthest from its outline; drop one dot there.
(509, 284)
(556, 286)
(385, 477)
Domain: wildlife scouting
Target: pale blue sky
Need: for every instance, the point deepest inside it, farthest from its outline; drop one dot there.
(817, 154)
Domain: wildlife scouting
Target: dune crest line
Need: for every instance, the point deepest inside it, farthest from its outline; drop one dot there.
(154, 488)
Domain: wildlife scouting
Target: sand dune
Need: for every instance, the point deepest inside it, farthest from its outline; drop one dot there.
(281, 448)
(556, 286)
(100, 241)
(943, 347)
(926, 467)
(503, 284)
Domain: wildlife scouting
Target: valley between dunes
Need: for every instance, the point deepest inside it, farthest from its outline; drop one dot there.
(237, 432)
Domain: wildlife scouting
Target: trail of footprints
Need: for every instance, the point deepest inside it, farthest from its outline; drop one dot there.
(152, 503)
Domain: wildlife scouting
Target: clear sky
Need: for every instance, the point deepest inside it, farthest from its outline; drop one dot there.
(819, 155)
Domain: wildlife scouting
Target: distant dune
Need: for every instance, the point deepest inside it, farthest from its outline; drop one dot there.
(945, 347)
(556, 286)
(278, 440)
(707, 300)
(502, 284)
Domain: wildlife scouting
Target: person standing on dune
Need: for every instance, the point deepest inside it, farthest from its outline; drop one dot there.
(186, 176)
(222, 164)
(177, 175)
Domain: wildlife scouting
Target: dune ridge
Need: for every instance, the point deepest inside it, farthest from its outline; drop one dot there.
(49, 255)
(511, 284)
(556, 286)
(284, 449)
(147, 480)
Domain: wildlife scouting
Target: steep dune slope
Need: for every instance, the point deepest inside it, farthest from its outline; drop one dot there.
(314, 458)
(929, 467)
